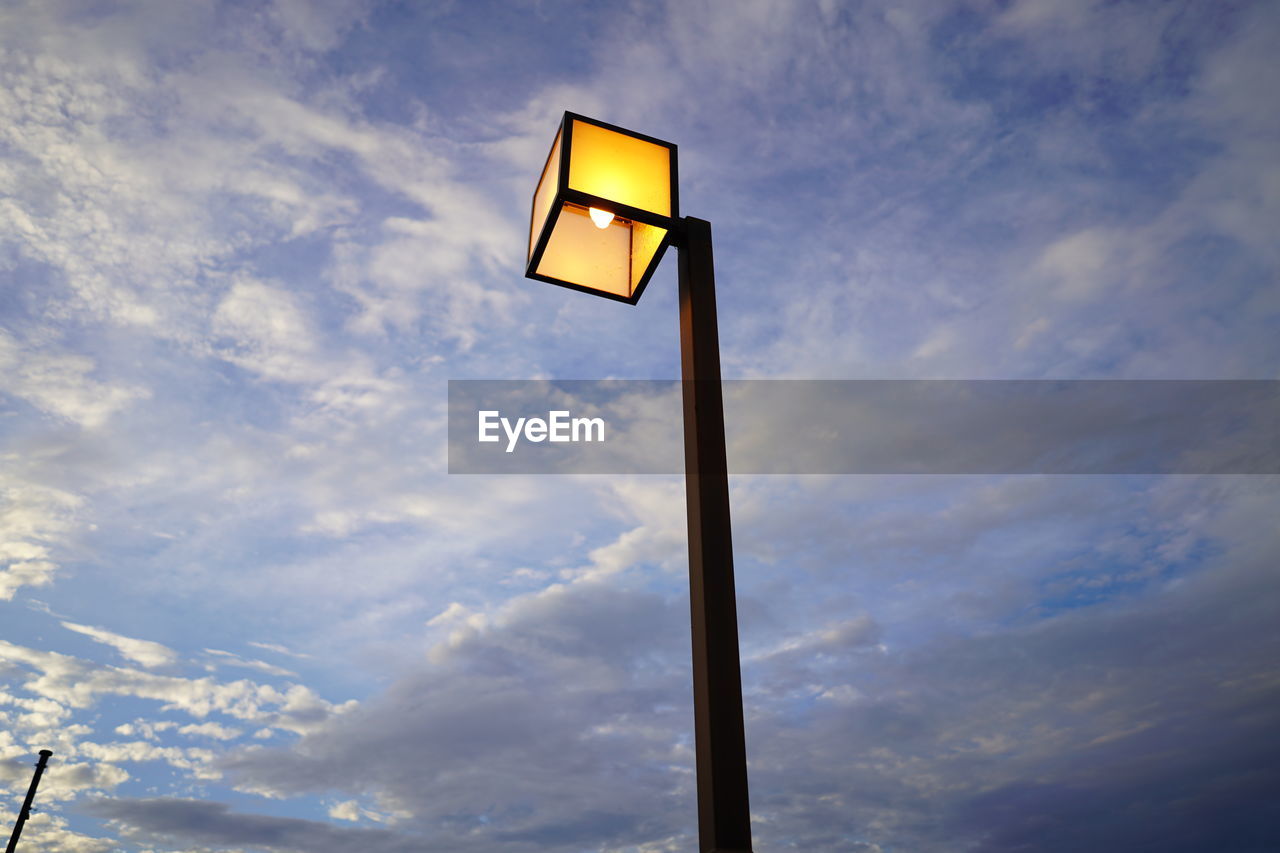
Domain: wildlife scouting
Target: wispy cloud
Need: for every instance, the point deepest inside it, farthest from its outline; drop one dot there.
(148, 653)
(221, 658)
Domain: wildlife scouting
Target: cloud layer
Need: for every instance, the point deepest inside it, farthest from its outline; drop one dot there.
(244, 245)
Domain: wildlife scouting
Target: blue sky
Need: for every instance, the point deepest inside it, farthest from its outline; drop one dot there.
(243, 247)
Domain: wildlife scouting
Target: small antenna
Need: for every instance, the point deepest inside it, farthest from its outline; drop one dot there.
(26, 804)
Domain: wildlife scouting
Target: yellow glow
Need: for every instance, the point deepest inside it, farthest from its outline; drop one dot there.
(545, 194)
(582, 254)
(620, 168)
(645, 240)
(612, 259)
(601, 218)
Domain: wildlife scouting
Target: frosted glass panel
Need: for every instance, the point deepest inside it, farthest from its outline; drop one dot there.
(645, 240)
(620, 168)
(582, 254)
(545, 194)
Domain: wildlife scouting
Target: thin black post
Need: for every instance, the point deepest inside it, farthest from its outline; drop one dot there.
(724, 816)
(26, 804)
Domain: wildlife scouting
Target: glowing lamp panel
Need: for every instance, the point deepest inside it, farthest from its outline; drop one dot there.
(645, 242)
(544, 197)
(619, 168)
(582, 254)
(612, 259)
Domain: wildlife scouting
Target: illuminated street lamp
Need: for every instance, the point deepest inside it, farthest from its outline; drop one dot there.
(606, 208)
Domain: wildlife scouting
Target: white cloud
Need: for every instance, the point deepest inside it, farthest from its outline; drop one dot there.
(346, 810)
(1083, 263)
(351, 810)
(32, 518)
(268, 332)
(193, 760)
(146, 652)
(222, 658)
(659, 536)
(80, 684)
(59, 383)
(20, 573)
(146, 728)
(279, 649)
(217, 731)
(39, 714)
(69, 780)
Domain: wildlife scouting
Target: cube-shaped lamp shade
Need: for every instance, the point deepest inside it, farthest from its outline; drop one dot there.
(604, 209)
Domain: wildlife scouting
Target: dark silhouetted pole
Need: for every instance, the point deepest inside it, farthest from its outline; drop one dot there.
(26, 804)
(724, 816)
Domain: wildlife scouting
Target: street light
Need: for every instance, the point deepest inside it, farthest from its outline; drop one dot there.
(605, 210)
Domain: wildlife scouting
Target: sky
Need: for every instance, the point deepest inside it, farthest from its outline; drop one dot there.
(244, 246)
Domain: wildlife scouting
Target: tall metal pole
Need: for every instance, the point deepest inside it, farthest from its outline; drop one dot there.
(724, 815)
(26, 804)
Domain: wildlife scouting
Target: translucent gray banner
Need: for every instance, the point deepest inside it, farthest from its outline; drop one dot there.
(873, 427)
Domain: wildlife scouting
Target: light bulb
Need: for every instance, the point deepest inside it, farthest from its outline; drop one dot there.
(601, 218)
